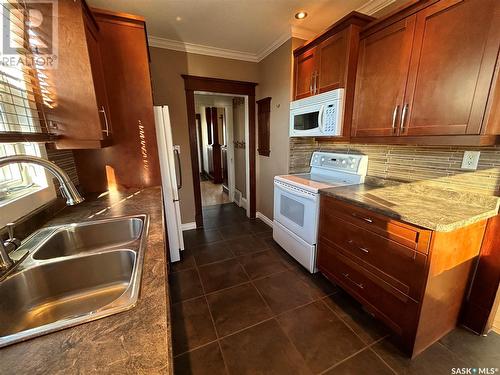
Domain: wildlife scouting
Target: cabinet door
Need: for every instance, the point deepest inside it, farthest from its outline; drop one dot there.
(331, 63)
(383, 64)
(92, 36)
(304, 69)
(452, 64)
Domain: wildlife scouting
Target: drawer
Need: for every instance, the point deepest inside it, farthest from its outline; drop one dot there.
(405, 234)
(396, 309)
(400, 266)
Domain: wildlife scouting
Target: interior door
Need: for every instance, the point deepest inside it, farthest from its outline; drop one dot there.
(383, 64)
(451, 67)
(331, 58)
(304, 69)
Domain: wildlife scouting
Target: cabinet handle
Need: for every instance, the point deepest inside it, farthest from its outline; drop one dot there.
(315, 82)
(178, 157)
(363, 249)
(394, 118)
(403, 118)
(103, 111)
(367, 219)
(311, 84)
(348, 277)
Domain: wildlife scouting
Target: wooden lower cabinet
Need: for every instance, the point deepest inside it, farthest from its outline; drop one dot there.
(415, 287)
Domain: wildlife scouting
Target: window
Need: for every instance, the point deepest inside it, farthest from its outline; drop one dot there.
(19, 179)
(23, 94)
(23, 187)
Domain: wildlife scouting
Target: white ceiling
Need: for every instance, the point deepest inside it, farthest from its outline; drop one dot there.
(247, 29)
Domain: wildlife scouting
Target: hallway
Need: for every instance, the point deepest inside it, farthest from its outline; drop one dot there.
(241, 305)
(212, 194)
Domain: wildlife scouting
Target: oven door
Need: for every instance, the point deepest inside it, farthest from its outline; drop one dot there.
(306, 121)
(297, 210)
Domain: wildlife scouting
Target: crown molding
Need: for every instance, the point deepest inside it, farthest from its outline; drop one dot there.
(273, 46)
(301, 33)
(200, 49)
(373, 6)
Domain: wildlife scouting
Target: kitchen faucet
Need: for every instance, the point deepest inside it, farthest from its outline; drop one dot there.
(68, 190)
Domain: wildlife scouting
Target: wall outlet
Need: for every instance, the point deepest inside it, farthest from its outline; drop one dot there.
(470, 160)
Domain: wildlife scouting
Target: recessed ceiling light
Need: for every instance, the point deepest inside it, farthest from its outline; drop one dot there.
(300, 15)
(178, 18)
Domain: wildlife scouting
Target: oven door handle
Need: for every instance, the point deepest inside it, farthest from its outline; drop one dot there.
(297, 193)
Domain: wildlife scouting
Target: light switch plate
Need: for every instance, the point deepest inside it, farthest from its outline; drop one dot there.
(470, 160)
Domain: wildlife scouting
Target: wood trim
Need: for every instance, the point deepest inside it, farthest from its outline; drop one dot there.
(252, 156)
(434, 140)
(216, 148)
(11, 137)
(127, 17)
(264, 126)
(193, 144)
(218, 85)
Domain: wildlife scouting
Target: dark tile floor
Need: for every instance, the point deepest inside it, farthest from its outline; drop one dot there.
(241, 305)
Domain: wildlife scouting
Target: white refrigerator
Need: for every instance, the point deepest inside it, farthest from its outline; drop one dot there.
(171, 181)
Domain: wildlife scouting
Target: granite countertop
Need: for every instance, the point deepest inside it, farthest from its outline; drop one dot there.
(131, 342)
(421, 203)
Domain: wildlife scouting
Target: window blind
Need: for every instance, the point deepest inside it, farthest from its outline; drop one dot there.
(24, 86)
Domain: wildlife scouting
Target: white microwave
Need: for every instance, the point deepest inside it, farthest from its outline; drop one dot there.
(317, 116)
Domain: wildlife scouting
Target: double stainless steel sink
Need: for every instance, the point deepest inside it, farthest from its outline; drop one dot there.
(72, 274)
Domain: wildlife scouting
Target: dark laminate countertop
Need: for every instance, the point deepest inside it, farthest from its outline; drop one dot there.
(136, 341)
(420, 203)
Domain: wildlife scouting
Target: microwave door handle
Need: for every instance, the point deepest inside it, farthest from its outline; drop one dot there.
(321, 118)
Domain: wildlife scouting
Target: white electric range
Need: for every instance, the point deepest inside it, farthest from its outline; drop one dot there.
(296, 201)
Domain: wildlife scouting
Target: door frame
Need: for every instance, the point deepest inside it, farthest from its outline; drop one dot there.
(221, 86)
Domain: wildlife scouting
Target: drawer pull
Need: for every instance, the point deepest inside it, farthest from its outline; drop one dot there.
(363, 249)
(367, 219)
(359, 285)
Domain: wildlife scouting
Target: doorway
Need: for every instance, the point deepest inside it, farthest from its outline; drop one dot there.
(221, 119)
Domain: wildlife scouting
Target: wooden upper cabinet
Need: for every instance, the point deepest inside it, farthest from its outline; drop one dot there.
(77, 81)
(96, 65)
(451, 68)
(429, 75)
(328, 62)
(331, 63)
(304, 66)
(383, 63)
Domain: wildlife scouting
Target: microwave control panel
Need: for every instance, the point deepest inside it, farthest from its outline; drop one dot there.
(330, 119)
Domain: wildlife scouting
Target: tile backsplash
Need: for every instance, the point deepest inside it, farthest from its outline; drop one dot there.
(65, 160)
(411, 163)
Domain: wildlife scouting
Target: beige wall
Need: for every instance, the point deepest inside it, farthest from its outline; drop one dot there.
(168, 89)
(275, 80)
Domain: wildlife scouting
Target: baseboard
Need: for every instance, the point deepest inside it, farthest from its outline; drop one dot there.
(188, 226)
(264, 218)
(243, 203)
